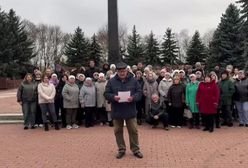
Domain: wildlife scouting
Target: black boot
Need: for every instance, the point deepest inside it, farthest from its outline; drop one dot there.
(111, 123)
(56, 126)
(46, 127)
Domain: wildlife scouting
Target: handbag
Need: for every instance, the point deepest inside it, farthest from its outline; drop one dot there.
(187, 113)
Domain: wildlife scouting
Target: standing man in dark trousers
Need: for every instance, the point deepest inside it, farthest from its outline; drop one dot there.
(124, 108)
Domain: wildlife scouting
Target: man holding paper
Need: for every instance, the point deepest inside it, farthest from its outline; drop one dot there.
(123, 91)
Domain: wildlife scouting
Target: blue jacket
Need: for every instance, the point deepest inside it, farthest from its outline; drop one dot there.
(123, 110)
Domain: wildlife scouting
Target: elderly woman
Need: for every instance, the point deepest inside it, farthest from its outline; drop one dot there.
(100, 100)
(164, 86)
(207, 99)
(176, 99)
(80, 113)
(150, 87)
(70, 94)
(54, 80)
(191, 90)
(47, 92)
(87, 100)
(27, 98)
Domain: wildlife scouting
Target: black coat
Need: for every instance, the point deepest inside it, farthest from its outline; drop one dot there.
(176, 95)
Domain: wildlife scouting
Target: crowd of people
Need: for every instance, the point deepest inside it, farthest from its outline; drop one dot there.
(176, 96)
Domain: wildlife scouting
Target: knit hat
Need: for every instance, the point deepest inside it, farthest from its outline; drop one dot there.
(80, 74)
(101, 75)
(192, 75)
(88, 78)
(112, 66)
(71, 77)
(54, 75)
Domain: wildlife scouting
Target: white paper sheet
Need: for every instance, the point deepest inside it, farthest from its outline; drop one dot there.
(124, 96)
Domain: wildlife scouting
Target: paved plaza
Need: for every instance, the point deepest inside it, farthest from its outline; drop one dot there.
(95, 147)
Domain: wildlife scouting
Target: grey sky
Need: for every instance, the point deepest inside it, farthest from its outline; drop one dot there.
(147, 15)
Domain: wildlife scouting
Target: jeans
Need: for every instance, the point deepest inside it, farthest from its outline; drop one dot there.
(29, 112)
(132, 131)
(48, 108)
(242, 108)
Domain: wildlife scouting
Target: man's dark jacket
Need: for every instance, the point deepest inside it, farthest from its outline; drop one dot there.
(125, 110)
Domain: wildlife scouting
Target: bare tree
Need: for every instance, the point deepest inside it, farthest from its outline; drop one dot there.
(207, 37)
(102, 37)
(183, 40)
(50, 43)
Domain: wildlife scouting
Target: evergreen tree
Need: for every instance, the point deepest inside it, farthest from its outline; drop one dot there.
(134, 48)
(77, 50)
(226, 46)
(169, 48)
(244, 28)
(196, 51)
(16, 49)
(152, 52)
(95, 50)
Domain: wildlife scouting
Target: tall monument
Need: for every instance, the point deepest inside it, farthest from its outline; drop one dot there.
(113, 40)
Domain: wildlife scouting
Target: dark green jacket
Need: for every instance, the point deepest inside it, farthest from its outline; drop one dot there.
(27, 92)
(227, 90)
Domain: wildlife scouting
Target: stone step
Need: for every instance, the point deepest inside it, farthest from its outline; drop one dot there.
(11, 116)
(11, 121)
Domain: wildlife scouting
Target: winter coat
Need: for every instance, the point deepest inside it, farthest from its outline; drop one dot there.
(124, 110)
(87, 96)
(150, 87)
(27, 92)
(176, 95)
(163, 88)
(227, 90)
(100, 89)
(241, 90)
(70, 95)
(157, 109)
(46, 93)
(191, 90)
(207, 97)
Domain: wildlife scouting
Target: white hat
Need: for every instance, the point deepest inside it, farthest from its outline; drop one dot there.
(112, 66)
(54, 75)
(80, 74)
(101, 74)
(71, 77)
(192, 75)
(88, 78)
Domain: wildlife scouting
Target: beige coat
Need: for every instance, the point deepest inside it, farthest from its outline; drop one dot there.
(100, 89)
(46, 93)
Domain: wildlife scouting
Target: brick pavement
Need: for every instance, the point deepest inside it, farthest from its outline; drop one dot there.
(95, 148)
(8, 102)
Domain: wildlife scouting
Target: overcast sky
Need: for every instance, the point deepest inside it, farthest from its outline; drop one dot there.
(147, 15)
